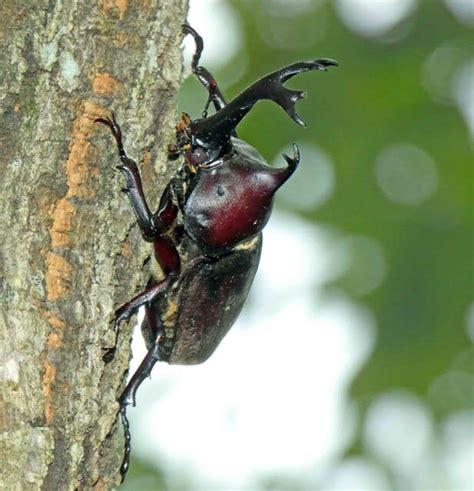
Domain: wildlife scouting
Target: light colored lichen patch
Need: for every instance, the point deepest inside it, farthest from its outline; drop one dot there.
(33, 450)
(151, 54)
(3, 418)
(9, 371)
(48, 54)
(69, 72)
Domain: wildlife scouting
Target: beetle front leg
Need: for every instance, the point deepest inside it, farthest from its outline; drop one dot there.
(134, 188)
(127, 310)
(203, 75)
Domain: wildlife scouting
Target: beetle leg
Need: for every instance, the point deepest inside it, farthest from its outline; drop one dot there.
(143, 371)
(127, 310)
(134, 188)
(215, 131)
(203, 75)
(128, 397)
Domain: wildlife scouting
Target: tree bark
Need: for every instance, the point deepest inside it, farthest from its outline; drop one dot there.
(70, 250)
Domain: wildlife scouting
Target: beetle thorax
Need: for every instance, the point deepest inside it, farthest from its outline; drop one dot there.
(230, 201)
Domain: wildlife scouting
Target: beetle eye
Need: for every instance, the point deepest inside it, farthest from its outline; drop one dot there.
(197, 156)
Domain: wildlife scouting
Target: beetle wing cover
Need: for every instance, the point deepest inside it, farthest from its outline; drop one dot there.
(211, 295)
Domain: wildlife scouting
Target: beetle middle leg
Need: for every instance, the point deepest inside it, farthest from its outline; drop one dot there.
(124, 313)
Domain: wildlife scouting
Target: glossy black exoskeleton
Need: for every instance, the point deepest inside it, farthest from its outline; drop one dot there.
(206, 232)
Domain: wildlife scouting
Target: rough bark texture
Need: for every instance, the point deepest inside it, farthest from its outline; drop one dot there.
(70, 250)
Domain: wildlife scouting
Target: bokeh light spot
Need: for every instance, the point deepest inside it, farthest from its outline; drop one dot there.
(438, 71)
(286, 9)
(451, 391)
(463, 10)
(463, 90)
(458, 448)
(373, 18)
(291, 25)
(273, 397)
(217, 23)
(357, 474)
(363, 263)
(398, 430)
(406, 174)
(312, 258)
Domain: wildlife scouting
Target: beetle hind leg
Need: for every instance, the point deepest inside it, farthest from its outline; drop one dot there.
(128, 397)
(203, 75)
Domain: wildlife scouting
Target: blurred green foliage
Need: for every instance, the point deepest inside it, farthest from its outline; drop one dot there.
(377, 98)
(374, 99)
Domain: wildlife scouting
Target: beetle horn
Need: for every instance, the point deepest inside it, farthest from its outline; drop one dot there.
(215, 131)
(280, 176)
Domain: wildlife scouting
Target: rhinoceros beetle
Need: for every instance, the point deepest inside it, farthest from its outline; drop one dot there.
(207, 230)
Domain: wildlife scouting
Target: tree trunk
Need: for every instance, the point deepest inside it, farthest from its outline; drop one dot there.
(70, 250)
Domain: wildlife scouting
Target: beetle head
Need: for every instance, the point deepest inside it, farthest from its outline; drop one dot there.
(195, 155)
